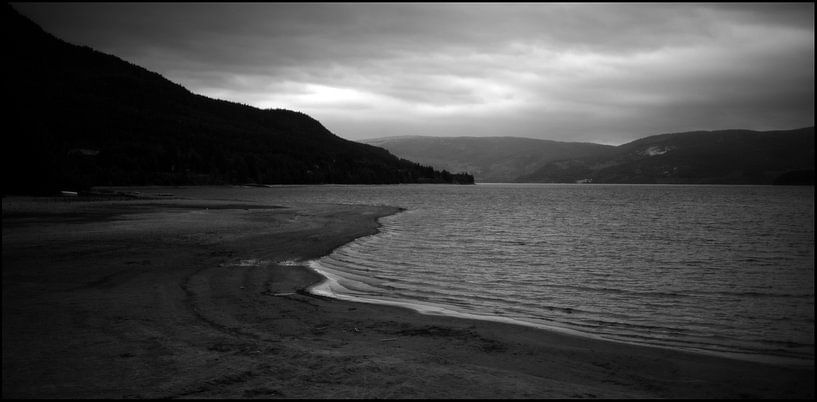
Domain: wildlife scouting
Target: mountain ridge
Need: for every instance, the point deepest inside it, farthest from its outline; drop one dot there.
(137, 127)
(756, 157)
(489, 159)
(733, 156)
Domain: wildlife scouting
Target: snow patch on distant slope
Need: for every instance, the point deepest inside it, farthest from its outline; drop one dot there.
(656, 150)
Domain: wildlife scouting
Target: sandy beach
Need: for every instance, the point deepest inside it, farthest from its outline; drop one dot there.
(159, 297)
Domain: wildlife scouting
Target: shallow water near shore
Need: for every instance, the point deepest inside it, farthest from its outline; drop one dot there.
(720, 269)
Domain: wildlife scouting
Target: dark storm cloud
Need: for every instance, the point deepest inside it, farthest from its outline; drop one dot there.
(585, 72)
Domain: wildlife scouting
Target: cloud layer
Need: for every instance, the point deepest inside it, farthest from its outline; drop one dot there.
(605, 73)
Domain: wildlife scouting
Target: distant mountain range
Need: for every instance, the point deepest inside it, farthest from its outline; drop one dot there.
(699, 157)
(489, 159)
(76, 117)
(716, 157)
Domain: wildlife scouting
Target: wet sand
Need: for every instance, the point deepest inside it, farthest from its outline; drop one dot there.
(172, 298)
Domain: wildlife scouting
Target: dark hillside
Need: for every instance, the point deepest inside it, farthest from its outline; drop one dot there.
(712, 157)
(78, 117)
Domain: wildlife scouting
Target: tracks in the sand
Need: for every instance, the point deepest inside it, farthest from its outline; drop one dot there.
(190, 302)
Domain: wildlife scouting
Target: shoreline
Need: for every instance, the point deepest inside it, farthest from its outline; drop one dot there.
(324, 288)
(331, 287)
(199, 298)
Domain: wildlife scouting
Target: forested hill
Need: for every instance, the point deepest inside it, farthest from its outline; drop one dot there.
(698, 157)
(77, 118)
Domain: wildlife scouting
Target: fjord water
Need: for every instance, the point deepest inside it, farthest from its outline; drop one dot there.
(727, 269)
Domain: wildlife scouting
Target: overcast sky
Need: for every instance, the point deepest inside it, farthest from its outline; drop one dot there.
(606, 72)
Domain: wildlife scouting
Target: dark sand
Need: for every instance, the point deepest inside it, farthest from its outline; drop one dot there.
(151, 299)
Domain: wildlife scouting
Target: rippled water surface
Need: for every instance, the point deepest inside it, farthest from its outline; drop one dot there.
(709, 268)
